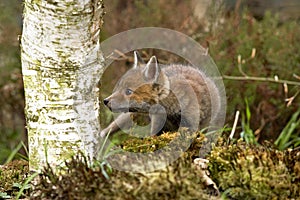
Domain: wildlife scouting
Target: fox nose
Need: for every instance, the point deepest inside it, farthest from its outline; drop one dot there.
(105, 101)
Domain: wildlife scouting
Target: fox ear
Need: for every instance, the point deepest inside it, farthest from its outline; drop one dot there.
(152, 70)
(137, 59)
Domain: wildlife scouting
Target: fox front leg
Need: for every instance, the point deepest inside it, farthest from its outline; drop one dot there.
(157, 123)
(123, 121)
(158, 118)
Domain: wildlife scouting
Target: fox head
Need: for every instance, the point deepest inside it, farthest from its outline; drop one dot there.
(139, 88)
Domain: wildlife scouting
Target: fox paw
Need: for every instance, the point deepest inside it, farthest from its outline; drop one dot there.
(103, 133)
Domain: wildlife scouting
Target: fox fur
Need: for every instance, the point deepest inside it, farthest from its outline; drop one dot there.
(172, 96)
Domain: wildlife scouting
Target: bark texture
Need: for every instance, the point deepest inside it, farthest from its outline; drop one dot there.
(61, 66)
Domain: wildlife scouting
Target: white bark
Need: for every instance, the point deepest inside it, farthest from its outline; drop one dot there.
(61, 65)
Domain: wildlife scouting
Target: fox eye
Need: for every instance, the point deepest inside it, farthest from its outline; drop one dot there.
(128, 92)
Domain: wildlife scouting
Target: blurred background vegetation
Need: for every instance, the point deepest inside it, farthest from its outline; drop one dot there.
(259, 38)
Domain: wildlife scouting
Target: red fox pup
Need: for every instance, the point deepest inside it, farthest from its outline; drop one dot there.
(172, 96)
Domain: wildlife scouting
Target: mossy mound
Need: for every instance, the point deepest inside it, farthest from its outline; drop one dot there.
(150, 144)
(12, 177)
(181, 180)
(240, 170)
(245, 171)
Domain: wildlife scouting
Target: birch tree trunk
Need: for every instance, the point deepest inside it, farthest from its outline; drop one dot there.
(61, 66)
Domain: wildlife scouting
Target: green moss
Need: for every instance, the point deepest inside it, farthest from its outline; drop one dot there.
(240, 171)
(148, 144)
(169, 140)
(181, 180)
(12, 175)
(255, 172)
(79, 180)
